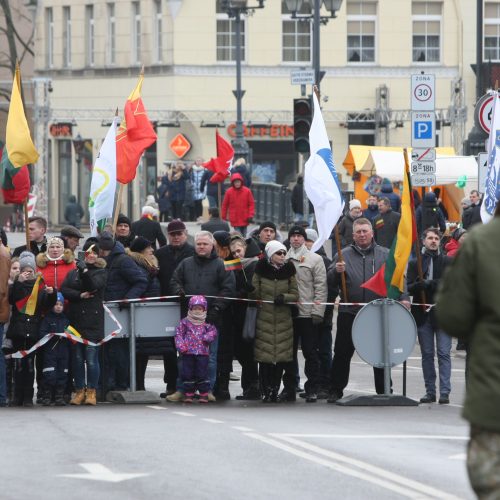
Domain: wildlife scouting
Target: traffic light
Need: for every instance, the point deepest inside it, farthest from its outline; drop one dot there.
(302, 119)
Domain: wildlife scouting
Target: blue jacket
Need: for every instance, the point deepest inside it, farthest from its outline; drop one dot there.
(177, 188)
(387, 192)
(125, 279)
(370, 214)
(53, 323)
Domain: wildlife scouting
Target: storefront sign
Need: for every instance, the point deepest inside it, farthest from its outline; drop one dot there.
(179, 145)
(262, 131)
(61, 130)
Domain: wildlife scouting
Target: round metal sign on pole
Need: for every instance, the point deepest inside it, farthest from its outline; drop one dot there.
(372, 327)
(483, 112)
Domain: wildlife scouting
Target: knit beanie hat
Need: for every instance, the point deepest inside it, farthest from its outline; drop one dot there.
(268, 223)
(27, 259)
(297, 230)
(312, 235)
(223, 238)
(91, 242)
(123, 219)
(60, 297)
(106, 241)
(55, 241)
(272, 247)
(139, 244)
(198, 300)
(354, 203)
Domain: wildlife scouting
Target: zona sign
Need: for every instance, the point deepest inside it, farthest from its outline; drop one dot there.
(179, 145)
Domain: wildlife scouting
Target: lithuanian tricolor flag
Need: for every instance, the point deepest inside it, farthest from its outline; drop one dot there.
(27, 305)
(233, 265)
(388, 281)
(19, 149)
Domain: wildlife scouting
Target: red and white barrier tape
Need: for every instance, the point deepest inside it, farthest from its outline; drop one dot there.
(23, 353)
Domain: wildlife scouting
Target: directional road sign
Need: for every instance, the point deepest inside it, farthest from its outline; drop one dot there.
(423, 180)
(302, 77)
(423, 129)
(423, 95)
(426, 154)
(423, 167)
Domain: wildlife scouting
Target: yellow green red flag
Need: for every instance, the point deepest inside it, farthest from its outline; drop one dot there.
(27, 305)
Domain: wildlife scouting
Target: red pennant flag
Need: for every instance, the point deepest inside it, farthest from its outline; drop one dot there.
(133, 137)
(377, 283)
(220, 165)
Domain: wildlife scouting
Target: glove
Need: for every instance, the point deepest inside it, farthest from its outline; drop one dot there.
(279, 300)
(213, 315)
(81, 266)
(248, 287)
(316, 320)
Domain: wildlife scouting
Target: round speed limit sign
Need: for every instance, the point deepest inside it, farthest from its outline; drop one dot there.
(422, 92)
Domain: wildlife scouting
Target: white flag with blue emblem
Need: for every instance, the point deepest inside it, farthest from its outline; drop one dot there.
(492, 188)
(320, 180)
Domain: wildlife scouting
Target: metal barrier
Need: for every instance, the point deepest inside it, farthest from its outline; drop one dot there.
(272, 203)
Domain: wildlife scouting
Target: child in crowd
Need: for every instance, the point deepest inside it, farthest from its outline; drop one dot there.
(192, 339)
(55, 355)
(28, 299)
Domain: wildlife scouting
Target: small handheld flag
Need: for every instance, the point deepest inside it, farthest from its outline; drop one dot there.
(233, 265)
(27, 305)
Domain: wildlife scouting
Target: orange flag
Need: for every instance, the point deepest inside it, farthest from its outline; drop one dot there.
(133, 137)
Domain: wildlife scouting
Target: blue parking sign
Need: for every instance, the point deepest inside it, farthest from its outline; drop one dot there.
(422, 130)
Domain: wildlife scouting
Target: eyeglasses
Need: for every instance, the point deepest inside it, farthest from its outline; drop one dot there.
(280, 252)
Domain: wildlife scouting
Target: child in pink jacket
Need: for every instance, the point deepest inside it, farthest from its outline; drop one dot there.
(192, 339)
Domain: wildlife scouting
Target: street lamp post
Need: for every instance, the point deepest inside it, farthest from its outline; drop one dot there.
(235, 9)
(332, 6)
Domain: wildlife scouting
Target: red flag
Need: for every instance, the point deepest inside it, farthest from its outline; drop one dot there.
(377, 283)
(133, 137)
(15, 188)
(220, 165)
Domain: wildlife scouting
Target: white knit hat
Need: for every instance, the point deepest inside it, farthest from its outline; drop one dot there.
(27, 259)
(147, 210)
(312, 235)
(272, 247)
(354, 203)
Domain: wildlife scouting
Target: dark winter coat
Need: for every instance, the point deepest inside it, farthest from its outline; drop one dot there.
(23, 328)
(149, 269)
(212, 189)
(149, 229)
(428, 215)
(125, 240)
(385, 228)
(125, 280)
(469, 308)
(87, 315)
(215, 224)
(238, 205)
(53, 323)
(35, 248)
(245, 174)
(370, 213)
(386, 191)
(429, 286)
(163, 200)
(73, 212)
(169, 258)
(274, 329)
(345, 229)
(204, 276)
(177, 188)
(471, 216)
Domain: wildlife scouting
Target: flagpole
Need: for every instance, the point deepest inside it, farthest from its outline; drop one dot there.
(26, 224)
(219, 194)
(118, 206)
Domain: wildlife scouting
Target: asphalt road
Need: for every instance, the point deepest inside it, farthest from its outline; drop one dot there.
(240, 449)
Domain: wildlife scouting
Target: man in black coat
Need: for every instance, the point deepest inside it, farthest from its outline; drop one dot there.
(37, 227)
(205, 274)
(169, 257)
(125, 281)
(385, 225)
(472, 215)
(124, 232)
(149, 228)
(215, 223)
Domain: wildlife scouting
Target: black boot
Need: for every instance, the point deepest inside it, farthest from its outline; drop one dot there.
(250, 394)
(223, 393)
(45, 397)
(59, 399)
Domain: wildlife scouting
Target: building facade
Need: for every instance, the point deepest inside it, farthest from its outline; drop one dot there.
(91, 53)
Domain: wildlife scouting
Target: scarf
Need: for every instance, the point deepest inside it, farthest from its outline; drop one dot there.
(297, 254)
(428, 262)
(197, 318)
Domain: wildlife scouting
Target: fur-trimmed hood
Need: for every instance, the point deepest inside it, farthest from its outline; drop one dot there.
(266, 270)
(148, 263)
(42, 259)
(100, 263)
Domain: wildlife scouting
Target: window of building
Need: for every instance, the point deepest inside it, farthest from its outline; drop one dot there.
(492, 31)
(67, 37)
(426, 20)
(296, 36)
(226, 36)
(111, 34)
(136, 33)
(89, 35)
(361, 29)
(158, 31)
(49, 36)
